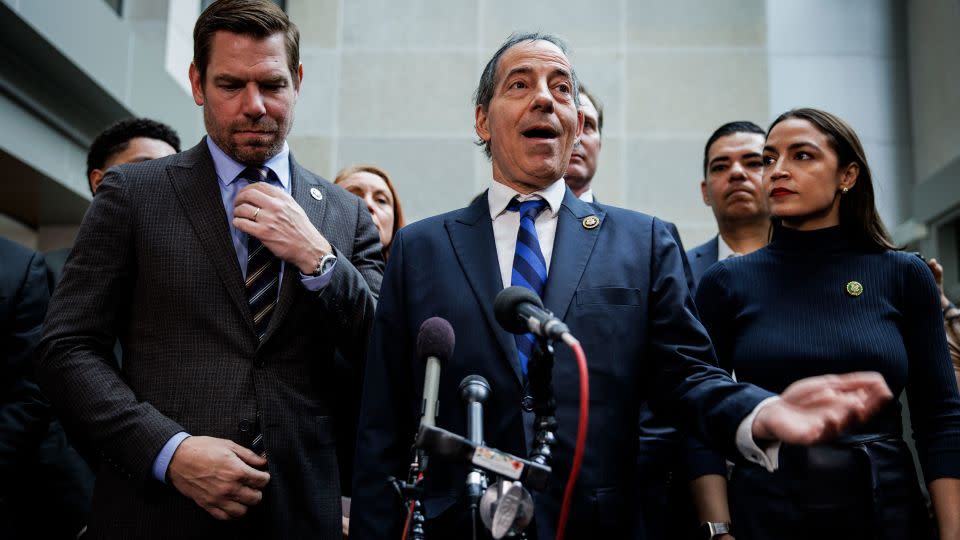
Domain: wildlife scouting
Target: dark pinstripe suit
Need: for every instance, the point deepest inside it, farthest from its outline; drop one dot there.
(153, 265)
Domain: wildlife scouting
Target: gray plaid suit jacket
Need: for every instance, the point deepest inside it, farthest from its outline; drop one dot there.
(154, 267)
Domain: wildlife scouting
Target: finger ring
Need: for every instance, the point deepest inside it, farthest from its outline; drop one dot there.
(255, 214)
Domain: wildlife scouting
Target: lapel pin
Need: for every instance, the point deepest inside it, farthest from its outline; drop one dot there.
(315, 193)
(591, 222)
(854, 288)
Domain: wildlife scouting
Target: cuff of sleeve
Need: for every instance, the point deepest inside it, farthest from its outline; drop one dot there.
(769, 457)
(317, 283)
(162, 461)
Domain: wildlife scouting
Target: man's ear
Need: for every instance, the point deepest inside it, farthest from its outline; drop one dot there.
(196, 85)
(480, 124)
(96, 176)
(703, 192)
(299, 80)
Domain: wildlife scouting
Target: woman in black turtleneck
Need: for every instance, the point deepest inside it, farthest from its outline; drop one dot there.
(830, 294)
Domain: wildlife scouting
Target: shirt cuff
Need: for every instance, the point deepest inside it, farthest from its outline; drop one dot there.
(316, 283)
(769, 457)
(162, 461)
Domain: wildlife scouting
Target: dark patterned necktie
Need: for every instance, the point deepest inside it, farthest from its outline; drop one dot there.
(263, 268)
(529, 266)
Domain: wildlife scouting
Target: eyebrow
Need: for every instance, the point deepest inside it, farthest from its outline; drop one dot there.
(793, 146)
(748, 155)
(523, 70)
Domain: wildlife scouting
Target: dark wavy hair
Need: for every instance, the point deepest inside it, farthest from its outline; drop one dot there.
(858, 209)
(257, 18)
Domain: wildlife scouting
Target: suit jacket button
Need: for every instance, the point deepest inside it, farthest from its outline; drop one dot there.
(527, 403)
(245, 425)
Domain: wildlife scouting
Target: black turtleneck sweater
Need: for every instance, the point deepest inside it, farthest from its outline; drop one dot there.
(790, 310)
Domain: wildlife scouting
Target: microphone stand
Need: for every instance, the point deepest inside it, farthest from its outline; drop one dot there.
(411, 493)
(540, 378)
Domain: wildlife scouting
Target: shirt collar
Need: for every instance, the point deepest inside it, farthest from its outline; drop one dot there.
(724, 251)
(587, 196)
(228, 169)
(500, 196)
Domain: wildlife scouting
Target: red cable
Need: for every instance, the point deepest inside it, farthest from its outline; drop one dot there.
(581, 433)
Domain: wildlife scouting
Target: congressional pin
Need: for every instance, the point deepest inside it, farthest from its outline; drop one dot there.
(315, 193)
(854, 288)
(591, 222)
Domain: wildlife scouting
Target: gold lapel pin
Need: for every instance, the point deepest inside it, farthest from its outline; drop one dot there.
(315, 193)
(854, 288)
(591, 222)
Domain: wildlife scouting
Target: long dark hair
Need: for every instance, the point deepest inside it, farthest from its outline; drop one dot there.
(858, 210)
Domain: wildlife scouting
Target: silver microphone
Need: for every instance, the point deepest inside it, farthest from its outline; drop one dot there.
(474, 390)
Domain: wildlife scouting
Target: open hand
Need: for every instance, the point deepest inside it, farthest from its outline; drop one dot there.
(219, 475)
(815, 409)
(273, 217)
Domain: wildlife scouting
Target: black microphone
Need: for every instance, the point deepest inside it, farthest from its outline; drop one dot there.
(519, 310)
(435, 345)
(474, 390)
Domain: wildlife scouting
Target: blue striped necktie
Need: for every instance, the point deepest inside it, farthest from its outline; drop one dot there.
(529, 266)
(263, 268)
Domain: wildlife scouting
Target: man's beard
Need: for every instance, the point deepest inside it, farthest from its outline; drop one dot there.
(248, 154)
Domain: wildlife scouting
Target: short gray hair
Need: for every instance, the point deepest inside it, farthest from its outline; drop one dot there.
(488, 79)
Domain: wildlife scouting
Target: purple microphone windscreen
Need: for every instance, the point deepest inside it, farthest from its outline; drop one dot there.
(505, 308)
(435, 339)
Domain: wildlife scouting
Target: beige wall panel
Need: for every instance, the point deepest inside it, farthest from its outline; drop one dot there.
(581, 25)
(695, 23)
(388, 24)
(693, 92)
(393, 93)
(315, 112)
(318, 21)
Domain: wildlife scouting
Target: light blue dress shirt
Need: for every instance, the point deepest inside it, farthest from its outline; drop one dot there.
(228, 171)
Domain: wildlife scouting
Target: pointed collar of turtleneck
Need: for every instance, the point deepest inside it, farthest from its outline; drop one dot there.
(829, 240)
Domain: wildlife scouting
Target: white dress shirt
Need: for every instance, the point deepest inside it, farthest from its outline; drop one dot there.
(505, 227)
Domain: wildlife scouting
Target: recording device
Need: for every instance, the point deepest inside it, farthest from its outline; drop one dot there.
(506, 507)
(519, 310)
(474, 390)
(435, 343)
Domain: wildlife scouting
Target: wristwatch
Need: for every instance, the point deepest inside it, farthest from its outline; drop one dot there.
(324, 263)
(713, 529)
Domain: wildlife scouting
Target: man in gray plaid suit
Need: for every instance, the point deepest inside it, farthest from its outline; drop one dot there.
(230, 274)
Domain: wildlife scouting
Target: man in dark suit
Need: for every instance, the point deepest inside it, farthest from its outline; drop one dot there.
(732, 176)
(42, 476)
(615, 277)
(230, 274)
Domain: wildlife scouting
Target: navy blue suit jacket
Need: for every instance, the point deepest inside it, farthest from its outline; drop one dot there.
(703, 257)
(621, 289)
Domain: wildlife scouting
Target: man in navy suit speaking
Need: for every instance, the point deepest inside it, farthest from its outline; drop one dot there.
(616, 279)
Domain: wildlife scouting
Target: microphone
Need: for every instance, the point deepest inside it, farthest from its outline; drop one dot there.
(474, 390)
(435, 343)
(519, 310)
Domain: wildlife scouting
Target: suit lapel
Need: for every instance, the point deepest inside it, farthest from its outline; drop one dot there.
(571, 250)
(195, 182)
(471, 234)
(301, 183)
